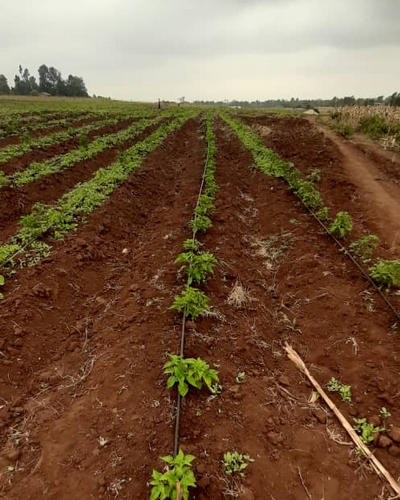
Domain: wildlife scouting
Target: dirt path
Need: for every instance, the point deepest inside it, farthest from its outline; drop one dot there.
(382, 199)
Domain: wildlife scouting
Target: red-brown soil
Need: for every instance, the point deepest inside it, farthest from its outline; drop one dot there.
(85, 410)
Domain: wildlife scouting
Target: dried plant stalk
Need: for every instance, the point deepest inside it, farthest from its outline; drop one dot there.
(377, 466)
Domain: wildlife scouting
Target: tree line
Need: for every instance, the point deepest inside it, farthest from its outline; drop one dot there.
(293, 103)
(50, 82)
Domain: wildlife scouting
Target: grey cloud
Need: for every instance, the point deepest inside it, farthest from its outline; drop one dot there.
(205, 45)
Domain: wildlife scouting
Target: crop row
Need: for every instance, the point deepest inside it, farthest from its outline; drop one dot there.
(16, 150)
(384, 272)
(184, 372)
(85, 151)
(65, 214)
(13, 126)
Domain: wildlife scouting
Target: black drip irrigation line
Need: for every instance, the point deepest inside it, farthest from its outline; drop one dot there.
(344, 250)
(178, 404)
(183, 331)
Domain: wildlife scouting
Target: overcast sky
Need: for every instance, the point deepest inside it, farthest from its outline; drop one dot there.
(208, 49)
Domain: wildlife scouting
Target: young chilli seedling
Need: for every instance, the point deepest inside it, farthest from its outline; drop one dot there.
(175, 482)
(384, 413)
(189, 372)
(197, 266)
(364, 247)
(341, 226)
(235, 462)
(1, 284)
(323, 214)
(191, 245)
(192, 302)
(386, 272)
(335, 386)
(366, 430)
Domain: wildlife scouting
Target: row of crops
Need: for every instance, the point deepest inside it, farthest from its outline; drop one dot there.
(384, 272)
(83, 152)
(55, 220)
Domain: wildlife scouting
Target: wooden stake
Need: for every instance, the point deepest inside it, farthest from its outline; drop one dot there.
(179, 491)
(377, 466)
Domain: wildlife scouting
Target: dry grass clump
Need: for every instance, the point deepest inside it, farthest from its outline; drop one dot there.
(239, 297)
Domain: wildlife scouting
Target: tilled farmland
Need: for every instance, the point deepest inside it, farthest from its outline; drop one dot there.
(95, 306)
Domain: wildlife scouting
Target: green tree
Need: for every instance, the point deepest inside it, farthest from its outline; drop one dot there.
(75, 87)
(44, 84)
(4, 88)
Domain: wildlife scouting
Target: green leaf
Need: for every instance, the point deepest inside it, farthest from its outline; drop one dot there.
(183, 389)
(171, 381)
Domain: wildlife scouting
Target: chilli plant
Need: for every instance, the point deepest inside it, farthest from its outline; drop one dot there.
(364, 247)
(366, 430)
(235, 462)
(192, 302)
(175, 482)
(196, 265)
(341, 226)
(200, 223)
(386, 272)
(335, 386)
(323, 214)
(189, 372)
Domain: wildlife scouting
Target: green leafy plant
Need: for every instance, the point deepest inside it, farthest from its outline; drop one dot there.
(342, 225)
(344, 129)
(189, 372)
(200, 223)
(374, 126)
(175, 482)
(335, 386)
(192, 302)
(384, 413)
(191, 245)
(364, 247)
(7, 253)
(205, 204)
(3, 179)
(307, 192)
(366, 430)
(386, 272)
(323, 213)
(235, 462)
(197, 265)
(240, 377)
(83, 141)
(314, 175)
(2, 281)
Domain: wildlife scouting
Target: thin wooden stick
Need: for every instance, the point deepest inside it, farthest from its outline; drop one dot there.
(378, 467)
(179, 491)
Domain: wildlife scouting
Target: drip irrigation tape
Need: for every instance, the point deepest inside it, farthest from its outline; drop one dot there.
(183, 331)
